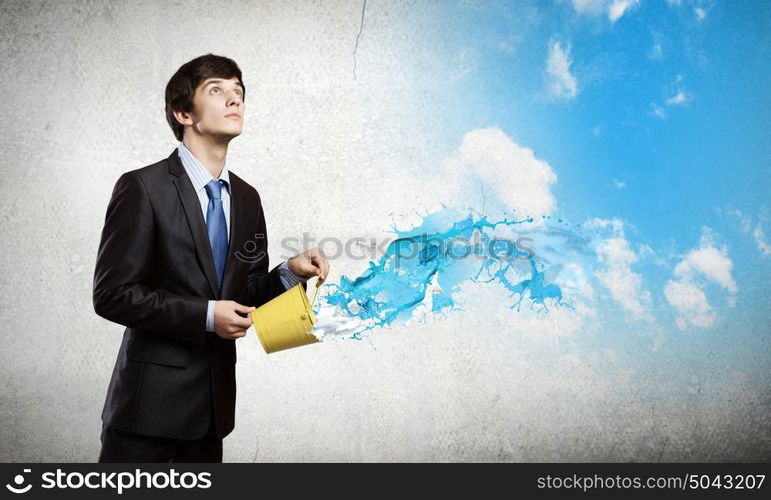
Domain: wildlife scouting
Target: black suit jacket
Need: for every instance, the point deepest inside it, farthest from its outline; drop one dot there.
(155, 274)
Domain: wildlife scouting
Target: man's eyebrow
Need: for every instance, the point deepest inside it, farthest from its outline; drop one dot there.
(221, 81)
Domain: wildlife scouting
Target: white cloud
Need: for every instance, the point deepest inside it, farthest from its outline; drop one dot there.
(489, 172)
(658, 111)
(559, 321)
(645, 251)
(510, 43)
(758, 235)
(679, 99)
(657, 48)
(709, 261)
(463, 64)
(677, 95)
(560, 80)
(518, 179)
(618, 184)
(686, 291)
(616, 225)
(760, 241)
(625, 285)
(617, 8)
(656, 51)
(593, 7)
(701, 14)
(744, 220)
(614, 9)
(674, 2)
(691, 304)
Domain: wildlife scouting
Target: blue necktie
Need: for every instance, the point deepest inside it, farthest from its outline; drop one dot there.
(216, 227)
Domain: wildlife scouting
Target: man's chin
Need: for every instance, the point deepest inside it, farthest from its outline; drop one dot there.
(225, 136)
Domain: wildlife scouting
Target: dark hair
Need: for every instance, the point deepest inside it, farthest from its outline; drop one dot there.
(181, 87)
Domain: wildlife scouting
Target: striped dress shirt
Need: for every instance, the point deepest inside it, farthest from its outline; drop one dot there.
(200, 177)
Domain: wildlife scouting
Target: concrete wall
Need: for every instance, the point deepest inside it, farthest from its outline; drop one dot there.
(330, 149)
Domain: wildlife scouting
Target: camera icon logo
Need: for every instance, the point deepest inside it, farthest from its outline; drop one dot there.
(19, 481)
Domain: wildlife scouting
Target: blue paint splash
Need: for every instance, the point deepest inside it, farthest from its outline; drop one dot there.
(446, 250)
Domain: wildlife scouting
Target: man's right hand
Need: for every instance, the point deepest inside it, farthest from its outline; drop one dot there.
(228, 323)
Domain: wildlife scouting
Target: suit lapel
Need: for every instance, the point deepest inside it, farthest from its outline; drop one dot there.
(237, 221)
(195, 220)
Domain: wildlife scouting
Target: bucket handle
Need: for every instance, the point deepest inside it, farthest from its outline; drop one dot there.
(315, 291)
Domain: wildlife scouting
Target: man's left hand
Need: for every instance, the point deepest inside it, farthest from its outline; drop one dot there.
(309, 264)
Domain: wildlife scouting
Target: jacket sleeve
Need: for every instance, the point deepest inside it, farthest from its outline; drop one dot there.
(122, 266)
(262, 285)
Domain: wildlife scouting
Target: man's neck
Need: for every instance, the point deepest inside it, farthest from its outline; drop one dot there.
(210, 153)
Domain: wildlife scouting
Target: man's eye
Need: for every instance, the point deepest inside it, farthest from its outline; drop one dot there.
(215, 88)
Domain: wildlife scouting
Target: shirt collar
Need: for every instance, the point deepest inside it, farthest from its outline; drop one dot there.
(200, 175)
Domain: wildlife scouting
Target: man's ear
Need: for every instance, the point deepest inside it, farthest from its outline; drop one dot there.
(183, 117)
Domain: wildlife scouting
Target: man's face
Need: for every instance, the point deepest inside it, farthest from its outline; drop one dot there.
(218, 108)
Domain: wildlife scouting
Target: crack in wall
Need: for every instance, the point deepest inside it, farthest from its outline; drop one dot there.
(361, 28)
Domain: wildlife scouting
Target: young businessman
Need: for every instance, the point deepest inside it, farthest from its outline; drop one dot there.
(181, 262)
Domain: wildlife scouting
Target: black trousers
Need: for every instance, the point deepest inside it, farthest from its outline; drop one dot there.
(122, 446)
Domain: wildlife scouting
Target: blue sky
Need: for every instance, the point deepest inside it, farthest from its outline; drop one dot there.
(651, 113)
(658, 117)
(703, 153)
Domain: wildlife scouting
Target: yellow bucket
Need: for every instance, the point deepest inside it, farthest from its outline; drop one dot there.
(285, 321)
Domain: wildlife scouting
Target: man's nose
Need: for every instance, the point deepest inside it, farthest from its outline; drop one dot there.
(234, 97)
